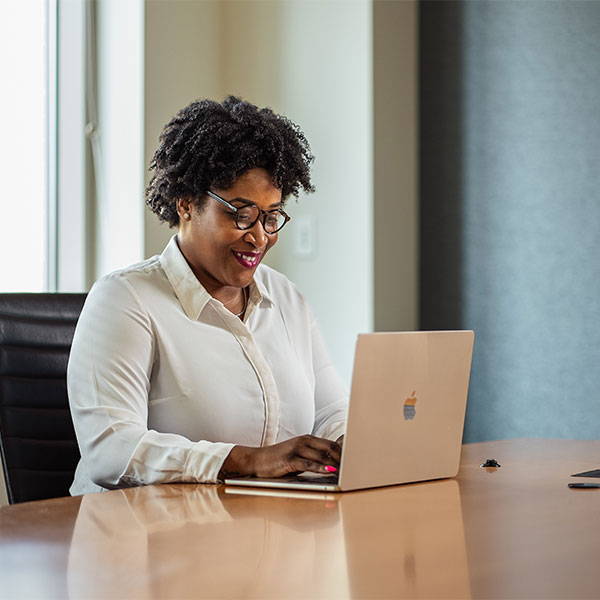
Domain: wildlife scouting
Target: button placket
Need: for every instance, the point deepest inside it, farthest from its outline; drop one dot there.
(263, 372)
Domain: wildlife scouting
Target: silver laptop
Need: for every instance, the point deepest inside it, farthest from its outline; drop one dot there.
(406, 413)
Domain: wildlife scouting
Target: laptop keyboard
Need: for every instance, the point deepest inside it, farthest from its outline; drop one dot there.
(317, 479)
(306, 477)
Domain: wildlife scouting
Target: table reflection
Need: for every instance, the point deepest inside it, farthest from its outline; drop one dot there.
(197, 541)
(184, 541)
(407, 542)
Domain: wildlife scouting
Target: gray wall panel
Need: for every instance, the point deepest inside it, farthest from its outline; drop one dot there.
(510, 188)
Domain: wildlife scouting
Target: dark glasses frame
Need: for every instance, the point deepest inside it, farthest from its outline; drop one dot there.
(262, 214)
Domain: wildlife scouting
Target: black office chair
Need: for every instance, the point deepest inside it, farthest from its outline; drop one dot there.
(37, 441)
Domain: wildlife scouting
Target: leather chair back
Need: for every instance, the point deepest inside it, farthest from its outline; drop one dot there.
(37, 441)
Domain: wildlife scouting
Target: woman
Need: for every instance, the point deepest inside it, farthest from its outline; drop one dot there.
(201, 362)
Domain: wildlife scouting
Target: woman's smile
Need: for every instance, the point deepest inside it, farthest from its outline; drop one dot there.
(250, 260)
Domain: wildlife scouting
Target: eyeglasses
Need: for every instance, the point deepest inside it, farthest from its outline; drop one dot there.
(247, 215)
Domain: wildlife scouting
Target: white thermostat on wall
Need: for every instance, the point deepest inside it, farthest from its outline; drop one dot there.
(305, 236)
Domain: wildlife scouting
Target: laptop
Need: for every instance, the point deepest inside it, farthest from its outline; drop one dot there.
(405, 417)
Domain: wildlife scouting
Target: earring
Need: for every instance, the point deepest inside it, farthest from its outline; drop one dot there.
(186, 216)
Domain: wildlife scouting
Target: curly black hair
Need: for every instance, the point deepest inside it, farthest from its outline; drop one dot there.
(210, 144)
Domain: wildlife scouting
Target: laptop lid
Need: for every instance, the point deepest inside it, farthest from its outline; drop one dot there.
(407, 407)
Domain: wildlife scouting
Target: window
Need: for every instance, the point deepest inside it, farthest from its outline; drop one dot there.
(23, 151)
(57, 231)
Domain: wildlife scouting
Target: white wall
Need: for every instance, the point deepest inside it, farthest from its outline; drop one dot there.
(326, 74)
(183, 62)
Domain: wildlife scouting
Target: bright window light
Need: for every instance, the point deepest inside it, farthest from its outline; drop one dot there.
(23, 123)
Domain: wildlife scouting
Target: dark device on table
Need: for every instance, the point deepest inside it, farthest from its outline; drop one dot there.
(594, 473)
(584, 484)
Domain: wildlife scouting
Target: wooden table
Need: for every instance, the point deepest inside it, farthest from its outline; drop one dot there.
(512, 532)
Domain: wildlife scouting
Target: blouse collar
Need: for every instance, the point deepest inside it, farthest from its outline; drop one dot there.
(191, 293)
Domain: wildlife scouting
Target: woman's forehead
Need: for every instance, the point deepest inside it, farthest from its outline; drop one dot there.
(254, 186)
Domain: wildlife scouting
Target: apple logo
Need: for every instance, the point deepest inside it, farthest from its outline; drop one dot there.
(409, 407)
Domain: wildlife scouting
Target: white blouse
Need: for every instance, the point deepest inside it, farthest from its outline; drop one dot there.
(163, 380)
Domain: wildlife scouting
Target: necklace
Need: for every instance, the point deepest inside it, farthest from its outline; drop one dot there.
(245, 303)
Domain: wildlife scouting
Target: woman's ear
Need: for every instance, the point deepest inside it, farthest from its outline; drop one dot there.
(184, 209)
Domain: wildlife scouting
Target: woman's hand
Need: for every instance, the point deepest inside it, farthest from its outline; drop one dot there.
(304, 453)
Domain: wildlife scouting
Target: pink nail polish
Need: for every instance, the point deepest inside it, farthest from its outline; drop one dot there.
(330, 469)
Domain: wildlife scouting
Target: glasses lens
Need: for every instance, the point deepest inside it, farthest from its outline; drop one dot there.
(246, 216)
(274, 221)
